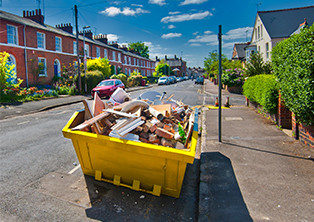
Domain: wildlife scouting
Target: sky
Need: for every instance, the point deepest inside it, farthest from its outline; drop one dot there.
(185, 28)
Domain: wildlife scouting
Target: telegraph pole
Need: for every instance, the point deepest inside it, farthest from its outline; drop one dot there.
(77, 51)
(219, 95)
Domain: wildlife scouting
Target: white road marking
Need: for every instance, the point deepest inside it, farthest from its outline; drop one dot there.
(74, 169)
(21, 123)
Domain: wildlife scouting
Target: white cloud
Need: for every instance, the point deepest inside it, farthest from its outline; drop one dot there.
(189, 2)
(208, 32)
(171, 35)
(195, 44)
(171, 27)
(186, 17)
(157, 2)
(204, 39)
(195, 33)
(112, 37)
(136, 5)
(127, 11)
(239, 33)
(174, 13)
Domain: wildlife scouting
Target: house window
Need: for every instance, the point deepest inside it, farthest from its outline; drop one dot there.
(41, 43)
(74, 48)
(261, 31)
(259, 49)
(134, 61)
(12, 35)
(255, 34)
(58, 44)
(125, 60)
(130, 60)
(113, 55)
(42, 67)
(267, 51)
(87, 50)
(126, 71)
(119, 57)
(258, 33)
(97, 52)
(105, 53)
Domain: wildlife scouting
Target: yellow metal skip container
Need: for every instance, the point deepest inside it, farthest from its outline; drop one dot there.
(139, 166)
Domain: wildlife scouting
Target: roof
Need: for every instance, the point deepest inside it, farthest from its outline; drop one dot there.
(28, 22)
(240, 48)
(282, 23)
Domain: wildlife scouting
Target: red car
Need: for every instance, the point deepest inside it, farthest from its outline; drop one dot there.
(106, 87)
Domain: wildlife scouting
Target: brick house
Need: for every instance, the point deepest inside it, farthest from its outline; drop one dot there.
(30, 42)
(274, 26)
(176, 64)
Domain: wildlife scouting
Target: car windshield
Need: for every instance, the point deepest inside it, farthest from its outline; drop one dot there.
(163, 78)
(106, 83)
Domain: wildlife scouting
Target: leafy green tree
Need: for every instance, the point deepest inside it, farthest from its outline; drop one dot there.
(293, 66)
(211, 64)
(141, 48)
(163, 68)
(256, 66)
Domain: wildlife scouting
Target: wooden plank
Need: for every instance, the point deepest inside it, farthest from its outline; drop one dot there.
(164, 109)
(89, 115)
(91, 121)
(98, 105)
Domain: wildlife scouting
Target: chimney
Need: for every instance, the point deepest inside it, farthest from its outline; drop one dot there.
(166, 57)
(36, 16)
(66, 27)
(175, 57)
(102, 38)
(88, 34)
(115, 44)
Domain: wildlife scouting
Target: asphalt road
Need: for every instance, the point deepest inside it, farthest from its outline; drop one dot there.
(40, 179)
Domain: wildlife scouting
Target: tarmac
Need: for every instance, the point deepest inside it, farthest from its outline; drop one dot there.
(257, 172)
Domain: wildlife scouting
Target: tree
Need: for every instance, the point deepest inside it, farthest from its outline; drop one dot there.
(256, 66)
(163, 68)
(140, 47)
(211, 63)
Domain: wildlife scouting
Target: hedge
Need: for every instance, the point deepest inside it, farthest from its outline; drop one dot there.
(262, 89)
(92, 78)
(294, 67)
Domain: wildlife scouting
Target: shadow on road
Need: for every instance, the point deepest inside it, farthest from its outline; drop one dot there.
(220, 196)
(113, 203)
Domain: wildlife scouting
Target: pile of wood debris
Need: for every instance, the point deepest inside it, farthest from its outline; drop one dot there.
(165, 122)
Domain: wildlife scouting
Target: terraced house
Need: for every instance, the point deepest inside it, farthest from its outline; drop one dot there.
(30, 42)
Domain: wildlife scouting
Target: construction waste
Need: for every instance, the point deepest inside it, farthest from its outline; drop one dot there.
(151, 118)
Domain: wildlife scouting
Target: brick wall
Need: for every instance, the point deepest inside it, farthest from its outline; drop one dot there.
(284, 114)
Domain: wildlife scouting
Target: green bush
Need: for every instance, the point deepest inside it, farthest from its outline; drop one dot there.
(294, 67)
(232, 77)
(256, 66)
(262, 89)
(92, 79)
(100, 64)
(123, 78)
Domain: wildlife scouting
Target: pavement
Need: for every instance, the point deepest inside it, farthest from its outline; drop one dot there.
(257, 172)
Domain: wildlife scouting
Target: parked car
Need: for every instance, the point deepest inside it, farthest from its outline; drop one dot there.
(172, 79)
(106, 87)
(199, 80)
(179, 79)
(163, 80)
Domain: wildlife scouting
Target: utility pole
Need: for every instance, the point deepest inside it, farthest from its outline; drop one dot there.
(77, 51)
(85, 27)
(219, 95)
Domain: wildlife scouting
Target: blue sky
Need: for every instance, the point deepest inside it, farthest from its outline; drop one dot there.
(187, 28)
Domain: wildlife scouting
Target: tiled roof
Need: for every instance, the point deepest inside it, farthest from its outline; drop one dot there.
(282, 23)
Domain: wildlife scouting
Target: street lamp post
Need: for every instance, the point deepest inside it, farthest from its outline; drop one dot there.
(85, 27)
